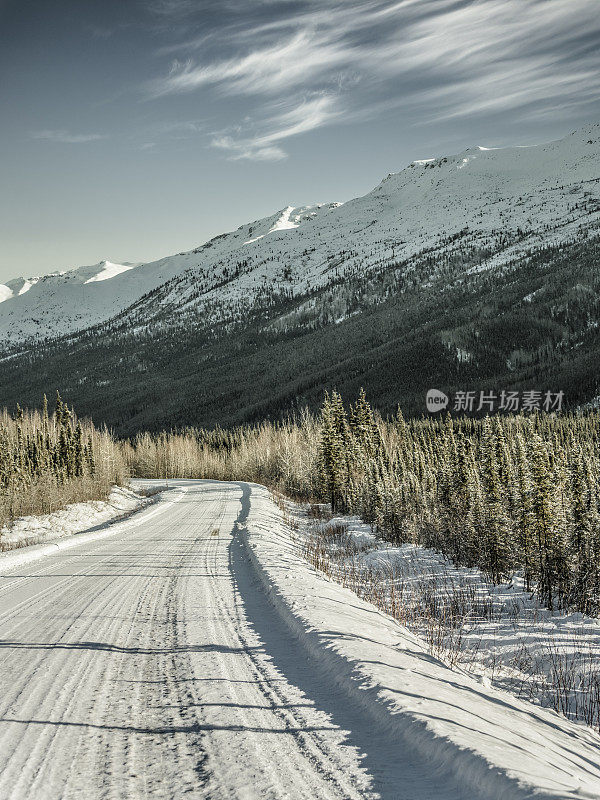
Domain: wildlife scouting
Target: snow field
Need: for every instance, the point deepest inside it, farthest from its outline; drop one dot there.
(499, 633)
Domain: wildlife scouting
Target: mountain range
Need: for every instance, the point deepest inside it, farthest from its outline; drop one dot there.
(477, 271)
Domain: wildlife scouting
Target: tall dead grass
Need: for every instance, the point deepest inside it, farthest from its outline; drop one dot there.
(30, 480)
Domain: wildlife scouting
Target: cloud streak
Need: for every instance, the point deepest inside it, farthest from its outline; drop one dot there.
(264, 145)
(297, 61)
(444, 58)
(65, 137)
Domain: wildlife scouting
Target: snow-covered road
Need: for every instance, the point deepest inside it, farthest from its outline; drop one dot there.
(152, 663)
(134, 666)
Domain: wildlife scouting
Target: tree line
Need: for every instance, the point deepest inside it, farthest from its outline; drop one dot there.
(508, 494)
(50, 459)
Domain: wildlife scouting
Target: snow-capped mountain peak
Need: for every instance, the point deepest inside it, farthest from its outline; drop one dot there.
(16, 287)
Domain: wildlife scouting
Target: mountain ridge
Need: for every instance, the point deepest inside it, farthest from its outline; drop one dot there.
(512, 189)
(478, 267)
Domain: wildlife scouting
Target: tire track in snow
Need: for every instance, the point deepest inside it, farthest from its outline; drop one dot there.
(115, 615)
(263, 713)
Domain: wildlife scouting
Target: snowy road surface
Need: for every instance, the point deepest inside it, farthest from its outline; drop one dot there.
(152, 664)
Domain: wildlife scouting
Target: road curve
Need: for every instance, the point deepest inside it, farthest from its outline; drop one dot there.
(150, 664)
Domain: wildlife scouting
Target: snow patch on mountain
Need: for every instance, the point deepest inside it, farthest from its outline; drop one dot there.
(27, 284)
(284, 222)
(109, 270)
(5, 292)
(16, 287)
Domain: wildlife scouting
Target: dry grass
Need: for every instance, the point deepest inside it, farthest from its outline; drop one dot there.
(282, 456)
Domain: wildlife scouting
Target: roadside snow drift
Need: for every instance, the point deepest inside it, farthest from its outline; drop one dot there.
(494, 743)
(34, 537)
(75, 518)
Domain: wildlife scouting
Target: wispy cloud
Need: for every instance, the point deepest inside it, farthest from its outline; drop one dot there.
(297, 61)
(239, 149)
(99, 32)
(183, 8)
(264, 144)
(444, 58)
(499, 55)
(65, 137)
(170, 8)
(178, 129)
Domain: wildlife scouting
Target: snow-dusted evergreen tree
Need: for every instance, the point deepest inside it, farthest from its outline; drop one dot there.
(584, 541)
(516, 493)
(550, 564)
(497, 553)
(524, 518)
(44, 461)
(333, 451)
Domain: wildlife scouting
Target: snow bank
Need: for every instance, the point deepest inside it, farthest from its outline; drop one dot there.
(37, 536)
(74, 518)
(494, 743)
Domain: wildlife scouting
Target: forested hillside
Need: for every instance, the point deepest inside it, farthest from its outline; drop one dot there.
(471, 272)
(532, 324)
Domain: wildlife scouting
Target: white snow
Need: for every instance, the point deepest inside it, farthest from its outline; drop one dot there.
(151, 664)
(27, 284)
(496, 745)
(256, 238)
(431, 205)
(75, 518)
(192, 651)
(110, 270)
(16, 288)
(5, 292)
(506, 637)
(284, 222)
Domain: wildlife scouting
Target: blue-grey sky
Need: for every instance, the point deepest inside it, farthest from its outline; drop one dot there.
(134, 129)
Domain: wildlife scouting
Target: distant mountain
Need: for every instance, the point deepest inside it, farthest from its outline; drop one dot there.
(479, 267)
(62, 302)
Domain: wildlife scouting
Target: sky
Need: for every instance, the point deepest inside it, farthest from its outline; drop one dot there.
(136, 129)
